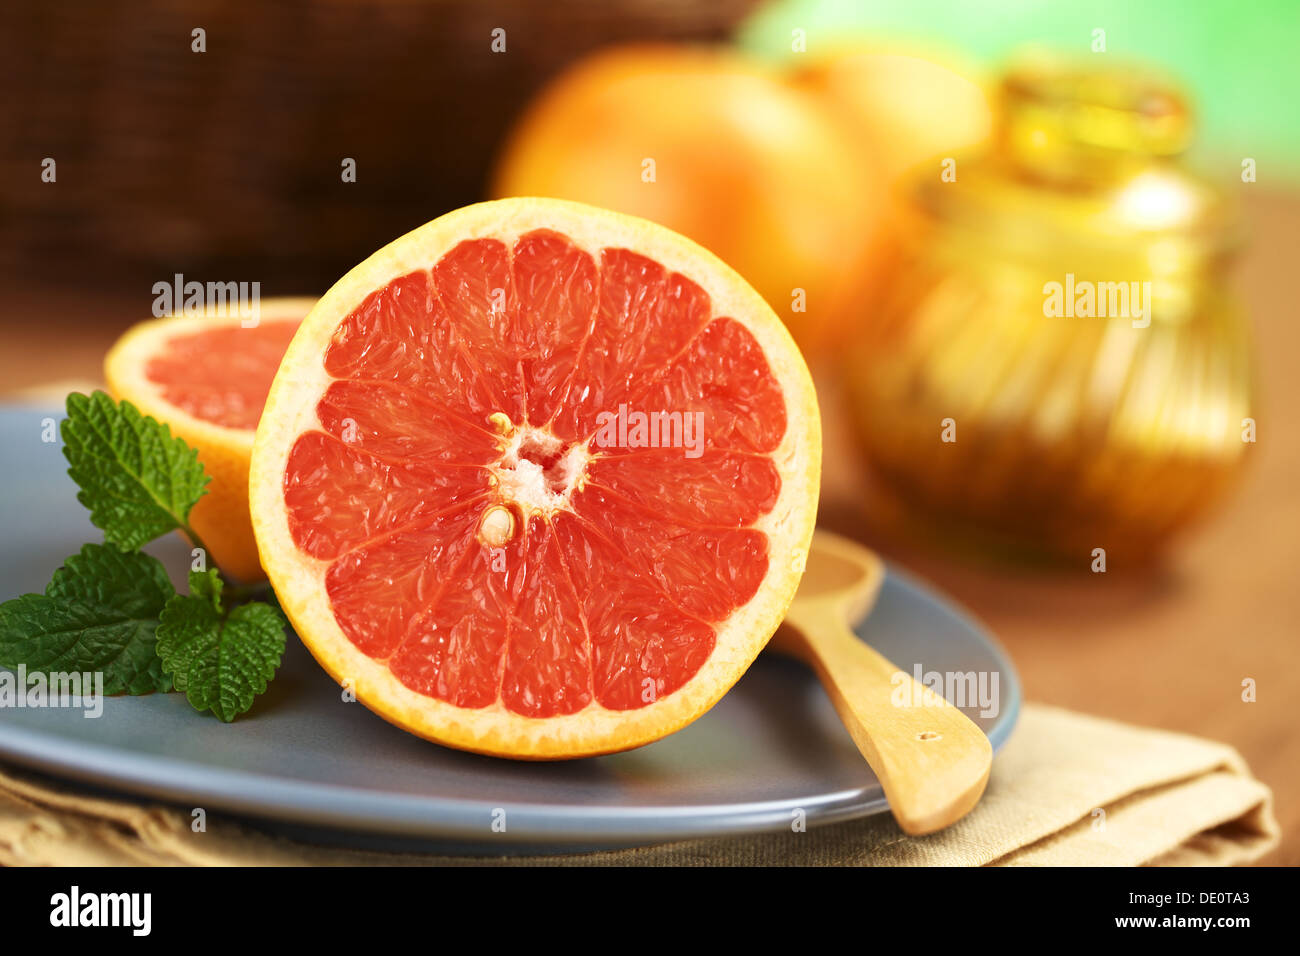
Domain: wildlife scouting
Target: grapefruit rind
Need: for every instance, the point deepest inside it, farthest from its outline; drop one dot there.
(495, 730)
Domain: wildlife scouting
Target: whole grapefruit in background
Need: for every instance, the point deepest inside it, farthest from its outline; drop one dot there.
(907, 109)
(207, 378)
(454, 530)
(753, 169)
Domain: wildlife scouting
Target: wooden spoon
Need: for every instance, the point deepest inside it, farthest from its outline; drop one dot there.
(931, 759)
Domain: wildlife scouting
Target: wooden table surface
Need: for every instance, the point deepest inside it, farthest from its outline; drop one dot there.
(1166, 647)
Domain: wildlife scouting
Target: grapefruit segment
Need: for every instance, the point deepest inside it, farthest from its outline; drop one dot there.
(720, 487)
(643, 646)
(728, 563)
(338, 497)
(380, 591)
(548, 659)
(459, 525)
(400, 423)
(401, 334)
(207, 377)
(644, 317)
(724, 375)
(455, 651)
(473, 282)
(557, 286)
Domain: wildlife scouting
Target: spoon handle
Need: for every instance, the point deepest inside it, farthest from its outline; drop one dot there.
(932, 760)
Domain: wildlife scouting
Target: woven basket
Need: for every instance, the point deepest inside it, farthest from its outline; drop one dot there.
(229, 161)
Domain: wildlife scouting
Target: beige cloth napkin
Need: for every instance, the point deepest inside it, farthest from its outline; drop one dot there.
(1067, 789)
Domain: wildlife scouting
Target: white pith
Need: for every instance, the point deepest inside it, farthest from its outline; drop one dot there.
(522, 482)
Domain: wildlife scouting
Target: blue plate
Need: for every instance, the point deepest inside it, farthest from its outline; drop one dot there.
(304, 761)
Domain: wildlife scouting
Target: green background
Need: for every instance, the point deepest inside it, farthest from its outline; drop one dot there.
(1238, 58)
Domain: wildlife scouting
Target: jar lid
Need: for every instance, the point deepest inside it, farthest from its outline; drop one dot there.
(1086, 154)
(1077, 123)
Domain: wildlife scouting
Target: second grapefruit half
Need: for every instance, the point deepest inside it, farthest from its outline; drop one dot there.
(538, 479)
(206, 377)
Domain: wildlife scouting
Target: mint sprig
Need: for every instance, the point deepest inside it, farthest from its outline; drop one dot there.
(137, 480)
(99, 613)
(112, 609)
(220, 657)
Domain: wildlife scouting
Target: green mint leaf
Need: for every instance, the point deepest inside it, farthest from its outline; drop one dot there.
(137, 480)
(221, 659)
(207, 585)
(99, 613)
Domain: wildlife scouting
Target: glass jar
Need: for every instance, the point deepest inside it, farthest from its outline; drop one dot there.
(1060, 365)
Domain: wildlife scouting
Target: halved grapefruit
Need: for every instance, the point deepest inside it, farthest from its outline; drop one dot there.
(463, 516)
(207, 377)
